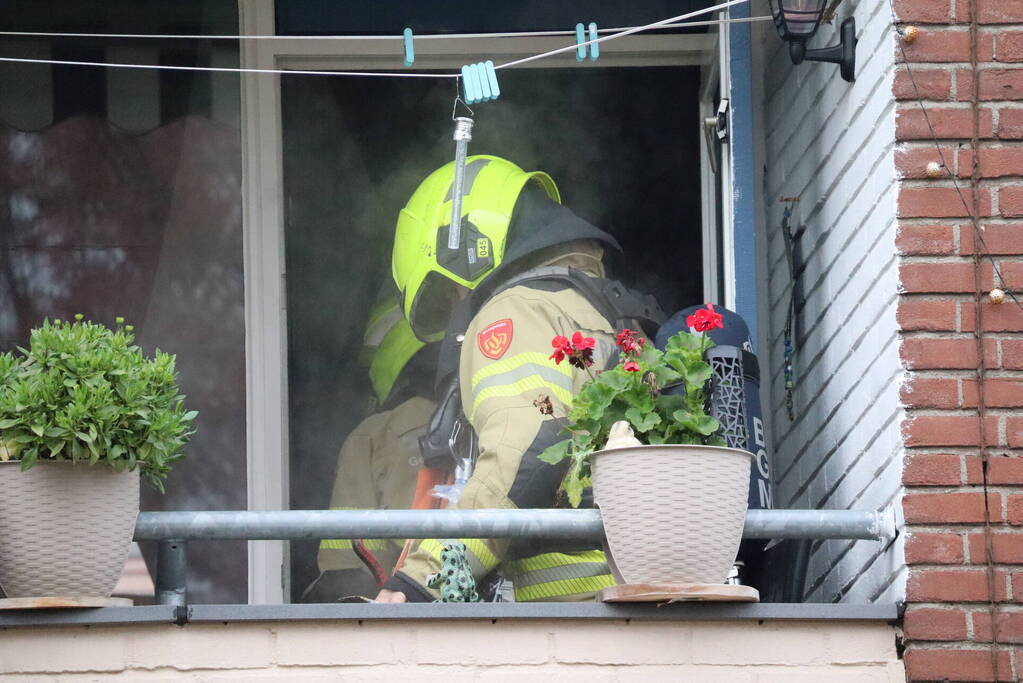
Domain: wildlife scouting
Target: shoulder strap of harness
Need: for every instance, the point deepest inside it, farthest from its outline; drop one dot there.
(613, 300)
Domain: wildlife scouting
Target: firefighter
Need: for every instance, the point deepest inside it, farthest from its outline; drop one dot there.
(513, 233)
(379, 461)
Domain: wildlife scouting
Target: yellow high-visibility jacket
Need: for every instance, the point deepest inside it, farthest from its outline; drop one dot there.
(377, 469)
(504, 369)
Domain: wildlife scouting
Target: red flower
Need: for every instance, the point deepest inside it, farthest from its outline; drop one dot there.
(629, 342)
(579, 351)
(562, 348)
(705, 319)
(580, 342)
(631, 366)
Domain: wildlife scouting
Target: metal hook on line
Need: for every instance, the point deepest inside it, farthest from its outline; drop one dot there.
(458, 98)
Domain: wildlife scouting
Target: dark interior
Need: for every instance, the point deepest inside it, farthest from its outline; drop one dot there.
(622, 144)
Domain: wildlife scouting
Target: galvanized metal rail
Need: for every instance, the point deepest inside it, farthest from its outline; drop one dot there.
(541, 524)
(174, 529)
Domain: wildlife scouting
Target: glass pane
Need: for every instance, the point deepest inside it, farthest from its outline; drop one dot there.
(120, 194)
(622, 144)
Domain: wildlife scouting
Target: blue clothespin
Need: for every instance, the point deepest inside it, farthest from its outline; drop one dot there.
(479, 82)
(580, 39)
(410, 52)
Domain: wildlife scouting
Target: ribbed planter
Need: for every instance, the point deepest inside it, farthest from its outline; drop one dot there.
(65, 528)
(674, 513)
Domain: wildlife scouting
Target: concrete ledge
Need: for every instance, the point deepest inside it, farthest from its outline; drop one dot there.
(164, 614)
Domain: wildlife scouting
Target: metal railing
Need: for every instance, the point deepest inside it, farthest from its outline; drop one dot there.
(174, 529)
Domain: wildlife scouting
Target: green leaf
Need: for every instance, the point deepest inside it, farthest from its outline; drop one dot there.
(641, 421)
(9, 422)
(639, 398)
(39, 430)
(666, 375)
(702, 424)
(601, 395)
(556, 453)
(574, 483)
(697, 374)
(683, 341)
(616, 378)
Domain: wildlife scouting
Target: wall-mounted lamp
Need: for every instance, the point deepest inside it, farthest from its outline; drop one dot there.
(797, 21)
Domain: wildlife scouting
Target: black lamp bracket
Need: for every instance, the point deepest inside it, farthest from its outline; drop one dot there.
(843, 54)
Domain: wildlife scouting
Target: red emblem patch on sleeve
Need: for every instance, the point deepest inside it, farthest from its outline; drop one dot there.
(495, 338)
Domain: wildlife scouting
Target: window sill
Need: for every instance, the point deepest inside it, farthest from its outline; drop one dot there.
(163, 614)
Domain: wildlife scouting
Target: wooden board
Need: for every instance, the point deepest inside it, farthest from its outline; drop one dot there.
(679, 592)
(63, 602)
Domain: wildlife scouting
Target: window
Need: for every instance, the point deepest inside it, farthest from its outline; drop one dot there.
(244, 221)
(621, 136)
(120, 194)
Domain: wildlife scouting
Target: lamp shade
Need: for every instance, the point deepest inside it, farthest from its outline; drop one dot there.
(797, 19)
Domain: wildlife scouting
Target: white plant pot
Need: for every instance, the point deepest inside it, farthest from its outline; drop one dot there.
(65, 528)
(673, 513)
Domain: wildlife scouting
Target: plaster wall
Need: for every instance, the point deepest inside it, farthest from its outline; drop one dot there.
(831, 144)
(421, 651)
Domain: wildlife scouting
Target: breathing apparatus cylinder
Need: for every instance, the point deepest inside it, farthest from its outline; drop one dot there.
(733, 340)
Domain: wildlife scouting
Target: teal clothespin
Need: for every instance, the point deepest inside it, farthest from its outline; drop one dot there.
(580, 40)
(410, 52)
(479, 82)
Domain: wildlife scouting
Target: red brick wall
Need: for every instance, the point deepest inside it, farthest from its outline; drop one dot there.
(964, 486)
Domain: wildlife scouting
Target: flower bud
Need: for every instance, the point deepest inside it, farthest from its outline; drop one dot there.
(119, 320)
(79, 317)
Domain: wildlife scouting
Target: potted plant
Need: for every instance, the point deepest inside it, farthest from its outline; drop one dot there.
(673, 498)
(83, 413)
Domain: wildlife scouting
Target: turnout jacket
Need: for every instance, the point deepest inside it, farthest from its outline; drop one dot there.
(504, 373)
(377, 469)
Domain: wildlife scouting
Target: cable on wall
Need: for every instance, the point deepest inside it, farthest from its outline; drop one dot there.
(980, 251)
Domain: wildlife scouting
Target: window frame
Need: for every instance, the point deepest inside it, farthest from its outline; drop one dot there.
(263, 211)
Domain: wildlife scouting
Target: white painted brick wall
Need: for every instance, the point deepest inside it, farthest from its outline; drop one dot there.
(831, 143)
(443, 652)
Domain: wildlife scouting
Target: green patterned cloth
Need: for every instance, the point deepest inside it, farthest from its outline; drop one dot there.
(454, 580)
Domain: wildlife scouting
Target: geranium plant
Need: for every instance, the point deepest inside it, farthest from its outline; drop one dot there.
(661, 394)
(86, 393)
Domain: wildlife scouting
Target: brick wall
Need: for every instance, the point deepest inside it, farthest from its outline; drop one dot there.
(949, 491)
(832, 144)
(452, 652)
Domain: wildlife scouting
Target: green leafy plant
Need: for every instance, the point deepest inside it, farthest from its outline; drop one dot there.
(86, 393)
(661, 394)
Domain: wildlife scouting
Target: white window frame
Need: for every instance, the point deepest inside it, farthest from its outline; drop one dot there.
(263, 214)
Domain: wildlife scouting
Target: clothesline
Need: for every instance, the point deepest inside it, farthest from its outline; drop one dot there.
(673, 22)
